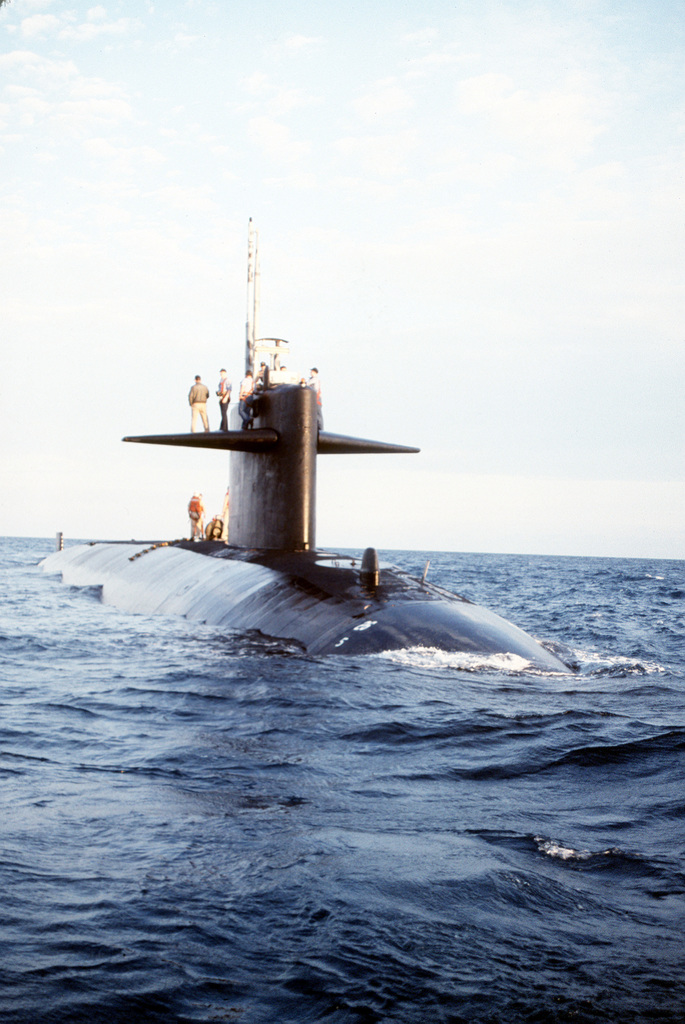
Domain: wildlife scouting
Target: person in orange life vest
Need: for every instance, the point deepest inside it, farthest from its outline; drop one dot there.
(315, 384)
(197, 400)
(246, 399)
(196, 514)
(223, 390)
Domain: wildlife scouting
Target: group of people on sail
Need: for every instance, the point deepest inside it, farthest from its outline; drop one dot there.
(250, 386)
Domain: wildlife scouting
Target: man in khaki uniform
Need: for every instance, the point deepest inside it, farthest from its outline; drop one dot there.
(197, 400)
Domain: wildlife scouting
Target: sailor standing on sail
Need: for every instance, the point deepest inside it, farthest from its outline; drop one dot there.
(197, 400)
(246, 399)
(224, 392)
(315, 384)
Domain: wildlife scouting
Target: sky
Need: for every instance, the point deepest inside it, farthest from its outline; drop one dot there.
(470, 219)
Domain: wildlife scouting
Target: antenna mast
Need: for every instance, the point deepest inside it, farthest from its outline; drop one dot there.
(253, 285)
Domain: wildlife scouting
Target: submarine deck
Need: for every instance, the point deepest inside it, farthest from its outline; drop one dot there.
(317, 599)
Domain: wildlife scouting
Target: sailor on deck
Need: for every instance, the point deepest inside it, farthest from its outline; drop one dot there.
(224, 392)
(246, 399)
(315, 384)
(197, 400)
(196, 514)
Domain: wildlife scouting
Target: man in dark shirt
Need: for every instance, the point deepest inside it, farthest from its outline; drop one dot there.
(224, 393)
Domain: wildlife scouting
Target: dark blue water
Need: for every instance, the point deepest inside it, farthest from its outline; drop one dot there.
(203, 827)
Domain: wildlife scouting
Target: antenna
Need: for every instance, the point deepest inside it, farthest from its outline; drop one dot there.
(252, 296)
(257, 299)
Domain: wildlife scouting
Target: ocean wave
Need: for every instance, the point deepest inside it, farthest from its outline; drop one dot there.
(212, 825)
(463, 661)
(594, 664)
(639, 757)
(661, 878)
(553, 848)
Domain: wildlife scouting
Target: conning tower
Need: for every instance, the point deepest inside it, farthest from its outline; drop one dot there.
(273, 464)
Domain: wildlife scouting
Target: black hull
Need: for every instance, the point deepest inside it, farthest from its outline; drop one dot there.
(316, 599)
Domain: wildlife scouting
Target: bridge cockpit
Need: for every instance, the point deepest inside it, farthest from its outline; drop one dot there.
(274, 353)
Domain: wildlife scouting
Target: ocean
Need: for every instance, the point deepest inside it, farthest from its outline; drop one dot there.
(203, 826)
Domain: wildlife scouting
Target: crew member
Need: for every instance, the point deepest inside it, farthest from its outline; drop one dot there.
(226, 513)
(246, 397)
(315, 384)
(260, 379)
(214, 529)
(224, 392)
(197, 400)
(196, 514)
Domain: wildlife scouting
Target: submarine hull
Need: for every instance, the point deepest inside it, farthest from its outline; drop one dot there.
(316, 599)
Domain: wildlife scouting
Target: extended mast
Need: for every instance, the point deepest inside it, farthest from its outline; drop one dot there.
(253, 287)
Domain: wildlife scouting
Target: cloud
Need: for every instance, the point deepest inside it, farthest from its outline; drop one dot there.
(286, 100)
(383, 155)
(41, 70)
(257, 84)
(424, 37)
(293, 45)
(556, 126)
(79, 117)
(94, 26)
(54, 93)
(385, 100)
(275, 140)
(183, 39)
(296, 43)
(304, 182)
(65, 26)
(273, 100)
(462, 163)
(421, 67)
(365, 187)
(29, 105)
(197, 199)
(124, 160)
(38, 25)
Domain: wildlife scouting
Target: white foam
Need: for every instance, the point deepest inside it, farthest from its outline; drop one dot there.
(594, 663)
(433, 657)
(554, 849)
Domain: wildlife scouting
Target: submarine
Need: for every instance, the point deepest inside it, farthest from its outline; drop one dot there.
(266, 574)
